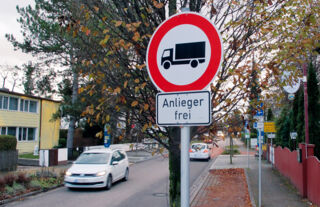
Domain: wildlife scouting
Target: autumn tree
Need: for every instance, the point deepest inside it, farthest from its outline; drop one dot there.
(105, 42)
(117, 66)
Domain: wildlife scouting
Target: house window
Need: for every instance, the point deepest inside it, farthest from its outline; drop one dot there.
(12, 131)
(31, 134)
(33, 106)
(13, 104)
(5, 102)
(3, 130)
(27, 134)
(28, 106)
(24, 133)
(1, 97)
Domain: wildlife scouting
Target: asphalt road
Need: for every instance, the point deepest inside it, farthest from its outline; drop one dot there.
(147, 186)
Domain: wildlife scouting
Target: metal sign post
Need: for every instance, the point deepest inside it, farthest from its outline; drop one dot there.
(185, 170)
(259, 142)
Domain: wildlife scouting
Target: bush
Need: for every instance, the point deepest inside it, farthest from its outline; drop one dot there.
(2, 184)
(8, 142)
(23, 179)
(10, 179)
(35, 184)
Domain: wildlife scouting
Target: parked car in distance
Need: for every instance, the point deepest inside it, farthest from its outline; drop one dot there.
(200, 151)
(220, 134)
(98, 168)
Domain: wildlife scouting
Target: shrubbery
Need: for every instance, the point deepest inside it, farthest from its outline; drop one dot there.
(8, 142)
(12, 184)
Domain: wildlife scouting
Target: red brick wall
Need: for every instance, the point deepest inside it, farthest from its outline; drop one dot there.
(286, 162)
(313, 179)
(307, 180)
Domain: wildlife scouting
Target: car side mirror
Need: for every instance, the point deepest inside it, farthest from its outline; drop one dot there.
(115, 163)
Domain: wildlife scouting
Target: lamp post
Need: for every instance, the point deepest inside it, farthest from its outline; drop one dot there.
(306, 118)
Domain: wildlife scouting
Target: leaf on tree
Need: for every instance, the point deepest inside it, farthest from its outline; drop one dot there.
(146, 107)
(136, 36)
(134, 103)
(118, 23)
(108, 118)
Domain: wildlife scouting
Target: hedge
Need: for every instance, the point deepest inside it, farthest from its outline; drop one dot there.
(8, 142)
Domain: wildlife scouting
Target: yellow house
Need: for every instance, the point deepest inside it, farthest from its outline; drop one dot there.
(28, 118)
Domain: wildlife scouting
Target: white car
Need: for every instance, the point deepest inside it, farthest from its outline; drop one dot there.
(200, 151)
(98, 168)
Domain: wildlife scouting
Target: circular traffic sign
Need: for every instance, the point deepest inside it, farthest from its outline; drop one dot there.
(184, 53)
(291, 86)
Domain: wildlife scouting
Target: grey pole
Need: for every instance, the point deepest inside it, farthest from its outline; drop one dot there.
(259, 141)
(185, 159)
(248, 140)
(185, 171)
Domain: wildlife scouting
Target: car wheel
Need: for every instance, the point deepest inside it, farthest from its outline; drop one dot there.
(126, 175)
(109, 182)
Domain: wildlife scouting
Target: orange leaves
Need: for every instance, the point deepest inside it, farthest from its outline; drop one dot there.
(96, 8)
(146, 107)
(145, 127)
(140, 66)
(117, 90)
(136, 36)
(134, 103)
(105, 40)
(157, 4)
(125, 84)
(118, 23)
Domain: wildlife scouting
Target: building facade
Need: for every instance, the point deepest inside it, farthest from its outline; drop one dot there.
(29, 119)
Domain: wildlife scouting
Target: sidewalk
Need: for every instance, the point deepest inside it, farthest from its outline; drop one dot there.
(228, 185)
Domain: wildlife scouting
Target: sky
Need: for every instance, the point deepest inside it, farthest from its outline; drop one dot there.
(9, 24)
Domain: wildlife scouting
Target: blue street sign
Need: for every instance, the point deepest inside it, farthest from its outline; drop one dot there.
(260, 111)
(106, 135)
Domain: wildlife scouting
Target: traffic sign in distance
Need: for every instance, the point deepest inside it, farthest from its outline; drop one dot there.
(184, 53)
(269, 127)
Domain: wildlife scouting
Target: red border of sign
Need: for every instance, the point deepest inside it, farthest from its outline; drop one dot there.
(216, 52)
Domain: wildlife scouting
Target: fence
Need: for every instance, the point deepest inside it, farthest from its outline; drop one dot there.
(8, 160)
(303, 171)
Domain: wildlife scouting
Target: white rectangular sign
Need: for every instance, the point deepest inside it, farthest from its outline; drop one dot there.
(183, 108)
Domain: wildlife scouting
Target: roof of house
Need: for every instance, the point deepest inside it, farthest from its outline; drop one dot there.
(5, 90)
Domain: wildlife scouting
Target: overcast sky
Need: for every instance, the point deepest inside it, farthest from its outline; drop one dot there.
(9, 24)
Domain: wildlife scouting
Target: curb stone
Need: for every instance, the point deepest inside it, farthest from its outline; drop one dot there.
(253, 203)
(195, 188)
(19, 197)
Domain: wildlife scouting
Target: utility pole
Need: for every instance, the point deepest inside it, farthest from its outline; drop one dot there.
(306, 118)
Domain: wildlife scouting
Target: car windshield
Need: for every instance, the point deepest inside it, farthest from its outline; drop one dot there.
(198, 146)
(93, 158)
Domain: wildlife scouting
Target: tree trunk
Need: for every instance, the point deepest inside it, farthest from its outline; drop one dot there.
(231, 149)
(174, 167)
(72, 118)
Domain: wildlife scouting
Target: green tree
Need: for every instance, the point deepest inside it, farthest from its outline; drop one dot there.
(270, 116)
(314, 109)
(283, 128)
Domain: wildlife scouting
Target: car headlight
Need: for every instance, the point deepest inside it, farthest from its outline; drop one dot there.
(102, 173)
(68, 173)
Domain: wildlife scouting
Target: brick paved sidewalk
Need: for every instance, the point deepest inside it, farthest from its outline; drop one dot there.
(224, 188)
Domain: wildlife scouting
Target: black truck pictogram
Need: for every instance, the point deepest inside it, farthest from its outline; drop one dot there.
(191, 53)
